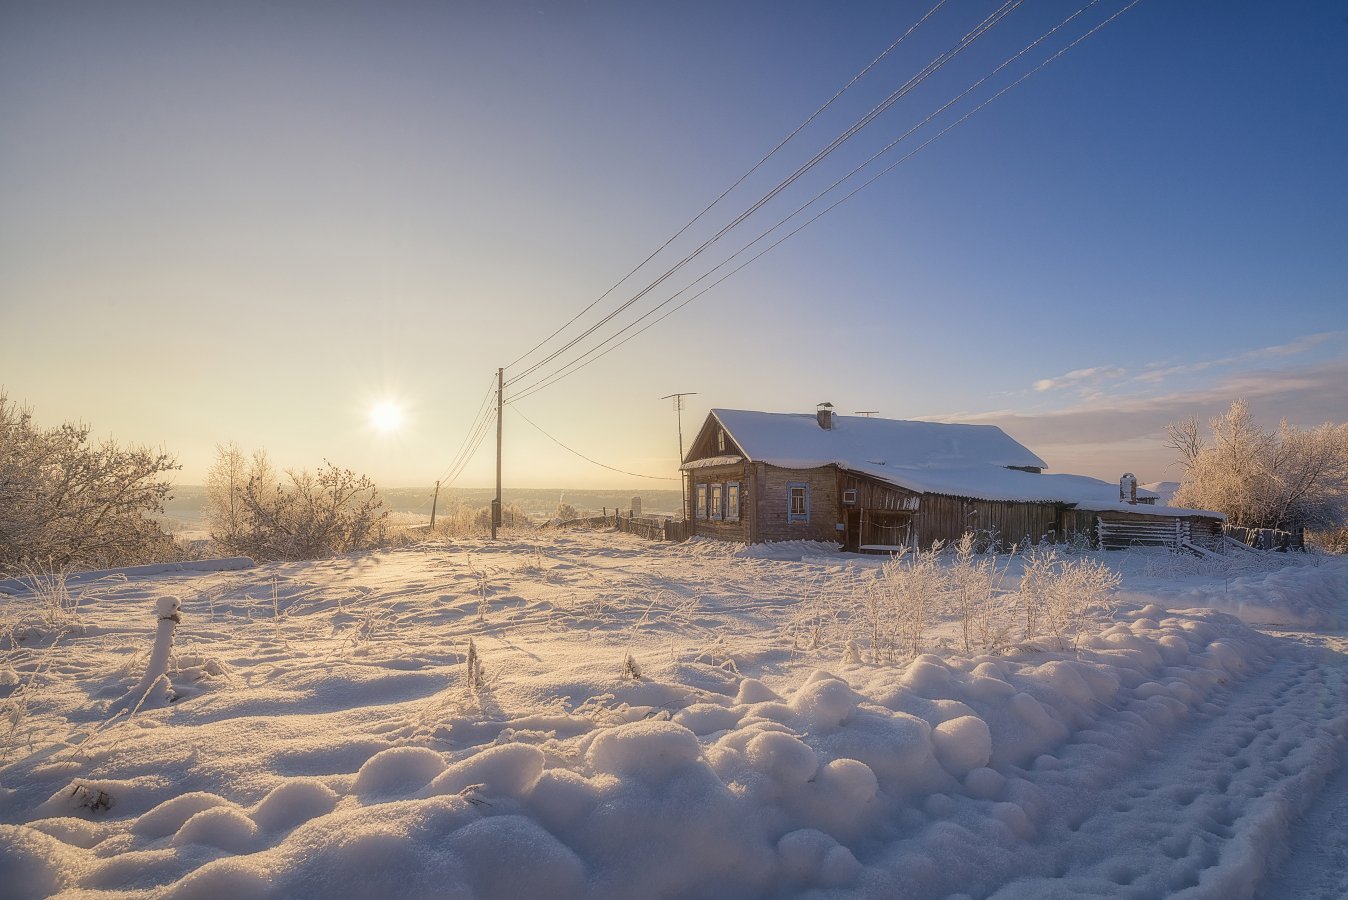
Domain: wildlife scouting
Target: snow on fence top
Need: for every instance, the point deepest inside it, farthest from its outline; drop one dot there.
(928, 457)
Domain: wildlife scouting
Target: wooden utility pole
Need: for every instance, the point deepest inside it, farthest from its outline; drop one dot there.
(678, 409)
(496, 504)
(434, 503)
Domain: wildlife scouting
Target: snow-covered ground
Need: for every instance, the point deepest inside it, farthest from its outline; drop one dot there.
(660, 720)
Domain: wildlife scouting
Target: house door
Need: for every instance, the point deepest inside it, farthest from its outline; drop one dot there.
(852, 535)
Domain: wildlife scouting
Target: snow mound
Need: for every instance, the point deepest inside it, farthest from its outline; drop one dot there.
(1301, 596)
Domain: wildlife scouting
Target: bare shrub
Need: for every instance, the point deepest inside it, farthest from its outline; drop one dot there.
(311, 515)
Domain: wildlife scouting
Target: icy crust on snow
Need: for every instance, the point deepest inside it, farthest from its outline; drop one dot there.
(909, 779)
(1309, 592)
(222, 564)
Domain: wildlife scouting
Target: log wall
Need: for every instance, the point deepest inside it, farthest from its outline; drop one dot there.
(770, 504)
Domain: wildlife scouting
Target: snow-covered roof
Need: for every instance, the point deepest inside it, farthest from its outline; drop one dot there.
(795, 441)
(926, 457)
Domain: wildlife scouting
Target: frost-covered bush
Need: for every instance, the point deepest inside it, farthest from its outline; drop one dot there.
(310, 515)
(971, 585)
(68, 501)
(1057, 592)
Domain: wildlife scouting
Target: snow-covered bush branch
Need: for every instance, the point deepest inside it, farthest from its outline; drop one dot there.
(68, 501)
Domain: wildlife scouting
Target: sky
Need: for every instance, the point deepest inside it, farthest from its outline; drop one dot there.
(256, 222)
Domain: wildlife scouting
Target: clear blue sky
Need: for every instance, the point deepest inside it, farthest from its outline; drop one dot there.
(253, 221)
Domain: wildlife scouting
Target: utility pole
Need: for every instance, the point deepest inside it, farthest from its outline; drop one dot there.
(434, 503)
(496, 504)
(678, 409)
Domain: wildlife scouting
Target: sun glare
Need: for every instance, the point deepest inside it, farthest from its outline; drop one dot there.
(386, 416)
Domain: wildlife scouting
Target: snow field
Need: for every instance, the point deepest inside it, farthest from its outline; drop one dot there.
(338, 751)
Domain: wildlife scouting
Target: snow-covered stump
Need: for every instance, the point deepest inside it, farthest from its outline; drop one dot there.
(155, 688)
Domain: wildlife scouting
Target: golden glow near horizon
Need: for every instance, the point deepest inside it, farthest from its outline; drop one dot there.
(386, 416)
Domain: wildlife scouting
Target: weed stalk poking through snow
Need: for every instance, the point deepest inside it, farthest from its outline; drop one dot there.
(631, 671)
(475, 678)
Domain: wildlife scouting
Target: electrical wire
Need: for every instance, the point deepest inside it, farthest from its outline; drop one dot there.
(579, 362)
(583, 456)
(472, 430)
(756, 166)
(560, 374)
(478, 438)
(936, 64)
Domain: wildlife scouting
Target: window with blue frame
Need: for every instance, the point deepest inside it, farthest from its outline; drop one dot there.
(797, 502)
(717, 499)
(732, 501)
(700, 501)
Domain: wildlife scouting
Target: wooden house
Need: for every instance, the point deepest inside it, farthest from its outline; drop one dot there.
(876, 485)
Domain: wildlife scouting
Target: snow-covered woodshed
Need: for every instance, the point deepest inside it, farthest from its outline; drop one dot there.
(876, 484)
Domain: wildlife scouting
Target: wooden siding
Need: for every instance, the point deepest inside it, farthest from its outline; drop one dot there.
(722, 529)
(706, 445)
(770, 504)
(944, 518)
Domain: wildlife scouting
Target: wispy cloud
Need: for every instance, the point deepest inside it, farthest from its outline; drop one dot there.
(1081, 377)
(1098, 381)
(1104, 436)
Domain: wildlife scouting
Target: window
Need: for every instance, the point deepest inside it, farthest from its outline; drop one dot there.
(717, 501)
(797, 502)
(850, 497)
(720, 440)
(700, 501)
(732, 501)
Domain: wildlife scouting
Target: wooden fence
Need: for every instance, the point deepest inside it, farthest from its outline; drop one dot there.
(654, 528)
(1267, 538)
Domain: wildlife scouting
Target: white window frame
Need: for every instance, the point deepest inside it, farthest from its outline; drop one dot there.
(733, 514)
(716, 501)
(792, 516)
(700, 501)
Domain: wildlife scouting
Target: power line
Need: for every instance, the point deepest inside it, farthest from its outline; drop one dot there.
(756, 166)
(484, 428)
(939, 61)
(583, 456)
(579, 362)
(547, 381)
(468, 437)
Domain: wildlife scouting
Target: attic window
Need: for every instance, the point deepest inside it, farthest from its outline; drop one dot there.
(720, 440)
(850, 497)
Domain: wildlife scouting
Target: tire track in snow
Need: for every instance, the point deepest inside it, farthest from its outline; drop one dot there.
(1317, 868)
(1210, 814)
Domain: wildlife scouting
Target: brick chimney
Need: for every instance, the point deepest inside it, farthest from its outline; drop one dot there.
(824, 414)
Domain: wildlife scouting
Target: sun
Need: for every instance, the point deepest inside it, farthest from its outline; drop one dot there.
(386, 416)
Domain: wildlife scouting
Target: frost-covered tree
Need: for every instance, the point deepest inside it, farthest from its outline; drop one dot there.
(1264, 479)
(69, 501)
